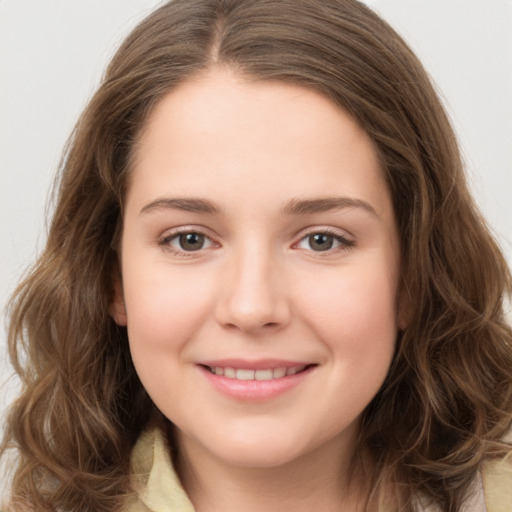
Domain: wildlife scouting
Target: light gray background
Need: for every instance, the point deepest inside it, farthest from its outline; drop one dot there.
(52, 53)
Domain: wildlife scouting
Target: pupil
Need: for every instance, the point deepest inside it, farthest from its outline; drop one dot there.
(191, 241)
(321, 242)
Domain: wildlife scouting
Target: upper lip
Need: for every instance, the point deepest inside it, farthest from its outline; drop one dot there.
(262, 364)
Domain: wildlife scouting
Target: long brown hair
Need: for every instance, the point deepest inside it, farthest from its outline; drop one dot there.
(447, 402)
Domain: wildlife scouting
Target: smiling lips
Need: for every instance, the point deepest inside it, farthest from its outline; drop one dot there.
(254, 382)
(248, 374)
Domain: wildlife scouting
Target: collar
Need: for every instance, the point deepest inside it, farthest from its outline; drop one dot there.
(155, 481)
(158, 488)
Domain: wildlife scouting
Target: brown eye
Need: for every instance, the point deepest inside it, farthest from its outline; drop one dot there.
(324, 241)
(191, 241)
(186, 242)
(320, 241)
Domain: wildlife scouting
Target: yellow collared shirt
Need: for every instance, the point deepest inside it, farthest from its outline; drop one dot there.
(158, 489)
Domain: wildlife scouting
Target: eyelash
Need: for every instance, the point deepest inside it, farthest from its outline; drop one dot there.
(165, 242)
(344, 243)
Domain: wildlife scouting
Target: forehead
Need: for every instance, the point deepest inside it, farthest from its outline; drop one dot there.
(218, 133)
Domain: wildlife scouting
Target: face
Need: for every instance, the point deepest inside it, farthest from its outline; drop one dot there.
(259, 269)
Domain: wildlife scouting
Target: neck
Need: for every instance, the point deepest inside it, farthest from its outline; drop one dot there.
(320, 480)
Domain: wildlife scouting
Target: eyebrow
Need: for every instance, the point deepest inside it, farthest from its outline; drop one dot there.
(294, 207)
(188, 204)
(307, 206)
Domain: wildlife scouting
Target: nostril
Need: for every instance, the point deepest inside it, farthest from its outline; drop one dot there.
(251, 313)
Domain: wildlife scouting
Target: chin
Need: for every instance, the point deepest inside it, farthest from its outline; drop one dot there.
(255, 446)
(255, 456)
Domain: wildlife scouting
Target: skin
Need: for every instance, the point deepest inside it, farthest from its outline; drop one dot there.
(259, 288)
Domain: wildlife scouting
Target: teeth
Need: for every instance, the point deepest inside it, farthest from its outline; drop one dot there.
(263, 374)
(246, 374)
(279, 372)
(228, 372)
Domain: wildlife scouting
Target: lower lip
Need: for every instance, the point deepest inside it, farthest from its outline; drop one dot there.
(255, 390)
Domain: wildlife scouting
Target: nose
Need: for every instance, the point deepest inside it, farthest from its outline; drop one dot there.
(253, 296)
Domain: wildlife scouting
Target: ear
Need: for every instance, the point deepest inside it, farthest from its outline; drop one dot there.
(117, 308)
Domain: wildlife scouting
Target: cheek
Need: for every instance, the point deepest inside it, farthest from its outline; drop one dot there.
(351, 311)
(164, 313)
(164, 307)
(355, 311)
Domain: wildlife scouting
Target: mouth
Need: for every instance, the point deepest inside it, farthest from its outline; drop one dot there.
(255, 381)
(248, 374)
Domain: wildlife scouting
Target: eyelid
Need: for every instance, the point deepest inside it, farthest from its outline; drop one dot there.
(345, 240)
(167, 236)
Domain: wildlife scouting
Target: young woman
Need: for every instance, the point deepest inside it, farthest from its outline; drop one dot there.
(265, 285)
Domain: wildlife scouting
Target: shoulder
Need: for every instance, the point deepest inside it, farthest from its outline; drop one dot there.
(155, 483)
(497, 484)
(491, 490)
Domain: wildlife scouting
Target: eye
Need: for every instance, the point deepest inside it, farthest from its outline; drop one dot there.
(323, 241)
(187, 241)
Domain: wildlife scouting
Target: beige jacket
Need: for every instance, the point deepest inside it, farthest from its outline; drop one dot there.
(159, 490)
